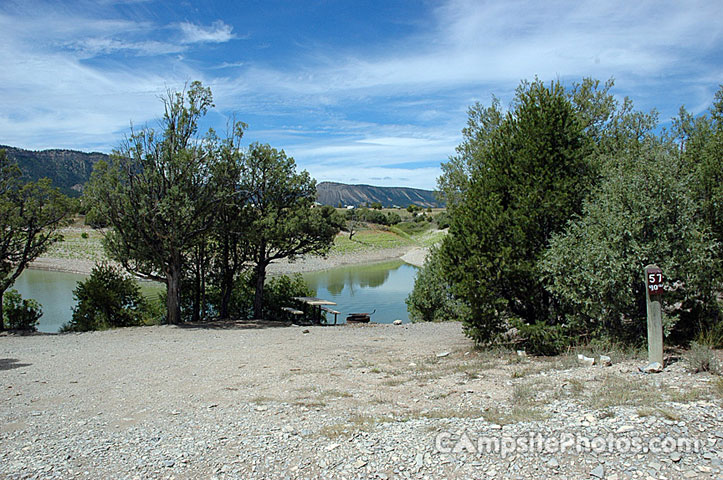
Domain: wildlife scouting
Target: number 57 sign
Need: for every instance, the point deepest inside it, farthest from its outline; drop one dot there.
(654, 280)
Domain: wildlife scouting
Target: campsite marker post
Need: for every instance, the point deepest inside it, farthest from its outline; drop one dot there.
(653, 295)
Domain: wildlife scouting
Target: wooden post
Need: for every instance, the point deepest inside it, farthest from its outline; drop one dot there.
(653, 295)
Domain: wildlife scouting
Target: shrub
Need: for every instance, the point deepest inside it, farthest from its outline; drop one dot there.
(393, 218)
(107, 299)
(702, 358)
(19, 313)
(278, 293)
(642, 213)
(431, 299)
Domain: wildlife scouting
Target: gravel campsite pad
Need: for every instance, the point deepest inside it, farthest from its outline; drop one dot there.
(269, 400)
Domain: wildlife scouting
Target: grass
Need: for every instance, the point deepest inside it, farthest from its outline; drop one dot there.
(616, 391)
(78, 244)
(660, 412)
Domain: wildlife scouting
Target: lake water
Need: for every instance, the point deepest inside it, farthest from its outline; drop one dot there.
(358, 288)
(364, 288)
(54, 292)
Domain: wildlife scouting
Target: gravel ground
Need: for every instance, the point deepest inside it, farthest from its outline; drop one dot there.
(271, 400)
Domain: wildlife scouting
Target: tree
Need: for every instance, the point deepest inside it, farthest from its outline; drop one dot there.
(528, 176)
(30, 216)
(156, 193)
(282, 222)
(644, 211)
(232, 226)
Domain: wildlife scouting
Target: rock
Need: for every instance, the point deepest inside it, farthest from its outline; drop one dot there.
(586, 360)
(521, 353)
(605, 361)
(675, 456)
(261, 408)
(553, 463)
(625, 429)
(442, 354)
(598, 472)
(305, 331)
(397, 322)
(169, 463)
(654, 367)
(360, 463)
(331, 447)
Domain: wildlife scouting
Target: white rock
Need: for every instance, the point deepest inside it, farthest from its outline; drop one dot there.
(442, 354)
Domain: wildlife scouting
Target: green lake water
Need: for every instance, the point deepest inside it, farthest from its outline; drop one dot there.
(357, 288)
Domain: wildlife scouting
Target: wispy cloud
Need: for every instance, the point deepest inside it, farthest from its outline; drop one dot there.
(76, 77)
(217, 32)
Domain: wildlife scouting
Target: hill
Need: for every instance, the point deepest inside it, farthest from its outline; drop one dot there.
(68, 169)
(332, 193)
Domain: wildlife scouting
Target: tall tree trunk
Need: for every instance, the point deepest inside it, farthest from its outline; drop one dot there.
(173, 295)
(2, 312)
(226, 280)
(259, 294)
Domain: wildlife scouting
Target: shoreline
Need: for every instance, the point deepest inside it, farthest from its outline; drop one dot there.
(412, 255)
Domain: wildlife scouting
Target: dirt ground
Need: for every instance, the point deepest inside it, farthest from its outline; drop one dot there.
(271, 400)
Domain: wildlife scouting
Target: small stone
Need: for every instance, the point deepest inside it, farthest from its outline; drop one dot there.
(625, 429)
(359, 463)
(553, 463)
(331, 447)
(521, 353)
(305, 331)
(605, 361)
(442, 354)
(598, 472)
(169, 463)
(397, 322)
(261, 408)
(654, 367)
(589, 361)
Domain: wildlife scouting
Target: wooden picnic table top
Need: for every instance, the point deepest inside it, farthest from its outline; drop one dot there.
(314, 301)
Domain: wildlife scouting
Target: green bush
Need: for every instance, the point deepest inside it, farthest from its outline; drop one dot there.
(642, 213)
(107, 299)
(393, 218)
(278, 293)
(431, 299)
(19, 313)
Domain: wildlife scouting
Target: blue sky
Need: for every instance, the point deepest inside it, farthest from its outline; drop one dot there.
(356, 91)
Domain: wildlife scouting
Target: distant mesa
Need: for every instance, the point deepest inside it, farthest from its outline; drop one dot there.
(70, 170)
(334, 194)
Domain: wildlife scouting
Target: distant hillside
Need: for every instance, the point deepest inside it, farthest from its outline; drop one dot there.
(68, 169)
(331, 193)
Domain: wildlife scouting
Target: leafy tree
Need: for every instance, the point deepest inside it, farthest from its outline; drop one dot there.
(528, 176)
(232, 226)
(30, 216)
(106, 299)
(156, 193)
(643, 212)
(20, 313)
(376, 206)
(282, 222)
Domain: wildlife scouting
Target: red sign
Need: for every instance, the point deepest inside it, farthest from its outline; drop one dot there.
(654, 280)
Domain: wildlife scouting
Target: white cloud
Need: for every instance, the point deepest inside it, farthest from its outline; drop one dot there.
(217, 32)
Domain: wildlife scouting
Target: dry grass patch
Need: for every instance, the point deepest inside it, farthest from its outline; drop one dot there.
(616, 391)
(660, 412)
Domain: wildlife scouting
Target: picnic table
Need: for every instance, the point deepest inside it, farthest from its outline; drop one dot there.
(317, 305)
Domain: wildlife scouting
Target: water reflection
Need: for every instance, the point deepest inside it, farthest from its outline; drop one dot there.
(359, 288)
(364, 288)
